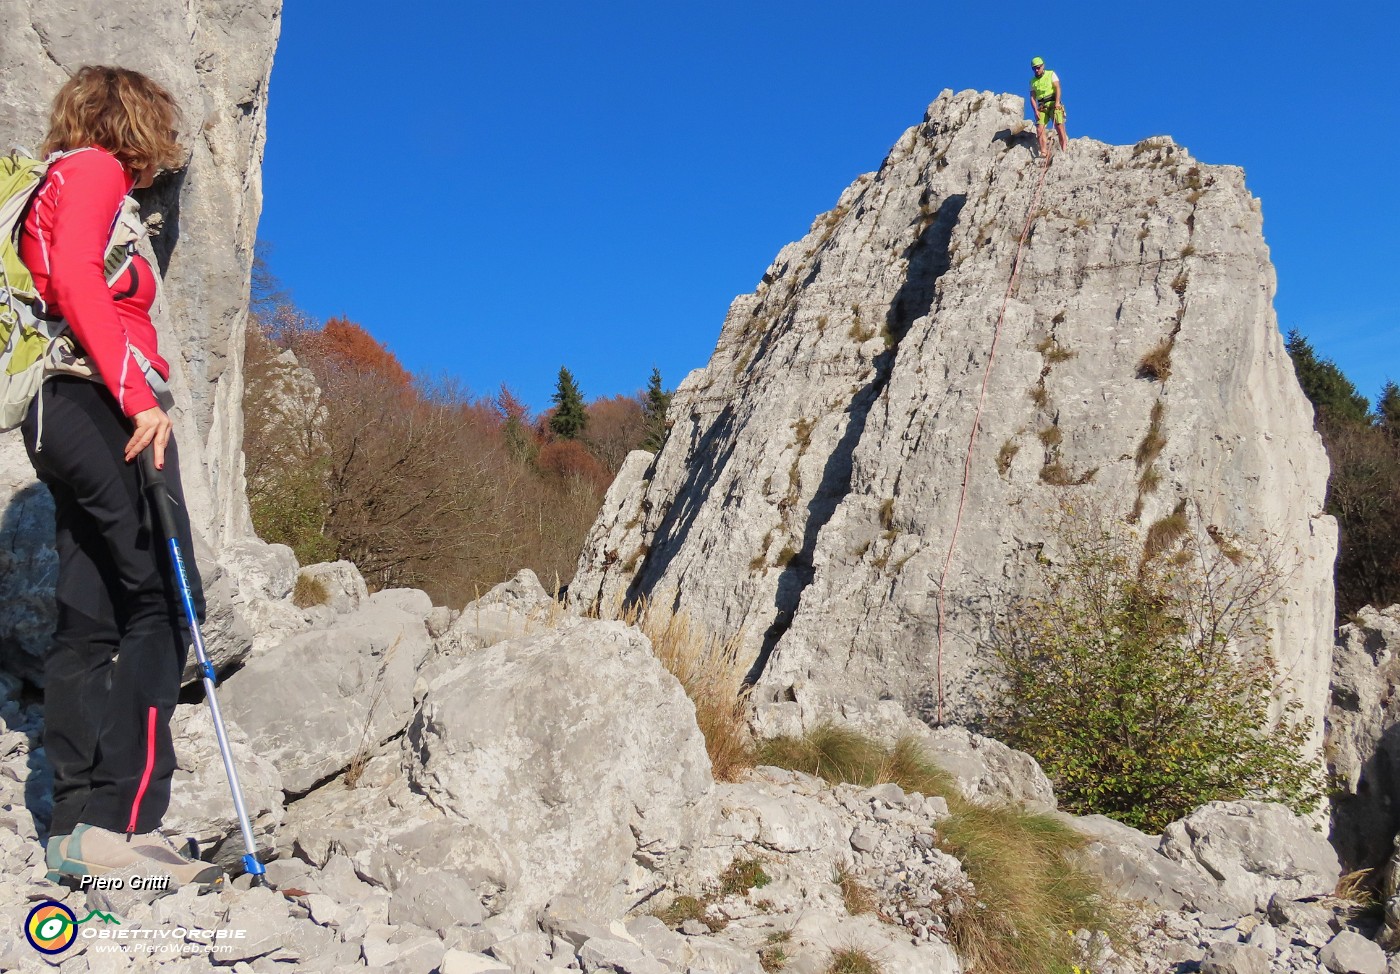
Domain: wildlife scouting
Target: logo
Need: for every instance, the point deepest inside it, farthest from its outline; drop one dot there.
(51, 927)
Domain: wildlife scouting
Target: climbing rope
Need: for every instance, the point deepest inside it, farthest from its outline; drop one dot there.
(977, 419)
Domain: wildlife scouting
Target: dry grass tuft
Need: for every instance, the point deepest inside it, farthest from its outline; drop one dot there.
(1005, 455)
(1166, 532)
(887, 513)
(852, 960)
(1156, 364)
(1154, 440)
(713, 677)
(310, 591)
(858, 897)
(1051, 436)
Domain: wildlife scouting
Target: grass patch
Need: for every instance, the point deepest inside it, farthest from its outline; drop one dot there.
(1156, 364)
(887, 513)
(852, 960)
(1180, 282)
(1051, 437)
(310, 591)
(1056, 474)
(1149, 481)
(1005, 455)
(773, 958)
(836, 754)
(1166, 532)
(709, 670)
(683, 908)
(1038, 395)
(1029, 892)
(786, 556)
(858, 897)
(742, 876)
(1154, 440)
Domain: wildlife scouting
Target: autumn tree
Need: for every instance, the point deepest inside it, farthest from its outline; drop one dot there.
(570, 418)
(616, 427)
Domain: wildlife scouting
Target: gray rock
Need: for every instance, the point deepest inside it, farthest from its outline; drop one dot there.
(260, 570)
(1254, 849)
(577, 752)
(621, 956)
(808, 487)
(462, 962)
(344, 585)
(522, 950)
(1132, 865)
(1362, 752)
(1234, 959)
(353, 690)
(436, 900)
(201, 803)
(513, 608)
(1351, 953)
(986, 768)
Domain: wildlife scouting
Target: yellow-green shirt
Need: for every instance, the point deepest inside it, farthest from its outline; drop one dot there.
(1043, 87)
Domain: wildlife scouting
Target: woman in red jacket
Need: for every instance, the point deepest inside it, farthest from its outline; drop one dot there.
(112, 675)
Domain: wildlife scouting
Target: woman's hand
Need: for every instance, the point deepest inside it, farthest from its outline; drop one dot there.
(153, 428)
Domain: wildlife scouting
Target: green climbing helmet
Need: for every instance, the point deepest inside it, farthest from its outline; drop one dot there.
(1037, 62)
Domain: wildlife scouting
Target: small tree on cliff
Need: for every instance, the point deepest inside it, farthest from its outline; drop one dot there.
(654, 406)
(570, 417)
(1142, 684)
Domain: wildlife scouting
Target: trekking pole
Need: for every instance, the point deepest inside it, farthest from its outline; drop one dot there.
(159, 496)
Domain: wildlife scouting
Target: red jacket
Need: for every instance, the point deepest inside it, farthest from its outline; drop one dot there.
(64, 246)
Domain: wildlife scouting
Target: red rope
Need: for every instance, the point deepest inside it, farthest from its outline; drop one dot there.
(976, 419)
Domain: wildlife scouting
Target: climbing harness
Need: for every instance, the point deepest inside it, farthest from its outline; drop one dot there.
(977, 419)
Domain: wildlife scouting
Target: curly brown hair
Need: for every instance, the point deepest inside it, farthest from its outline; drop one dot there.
(121, 110)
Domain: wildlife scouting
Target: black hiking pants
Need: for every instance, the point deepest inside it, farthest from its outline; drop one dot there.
(112, 675)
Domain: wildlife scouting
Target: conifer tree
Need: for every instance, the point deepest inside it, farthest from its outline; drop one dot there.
(654, 406)
(570, 417)
(1332, 394)
(1388, 409)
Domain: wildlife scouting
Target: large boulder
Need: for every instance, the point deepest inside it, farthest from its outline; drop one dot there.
(811, 482)
(324, 698)
(1255, 850)
(577, 754)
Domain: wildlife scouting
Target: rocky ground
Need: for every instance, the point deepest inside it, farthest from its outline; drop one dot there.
(513, 789)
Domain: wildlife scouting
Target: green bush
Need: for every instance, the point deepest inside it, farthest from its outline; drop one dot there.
(1141, 682)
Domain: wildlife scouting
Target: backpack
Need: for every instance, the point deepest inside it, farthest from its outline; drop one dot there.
(34, 345)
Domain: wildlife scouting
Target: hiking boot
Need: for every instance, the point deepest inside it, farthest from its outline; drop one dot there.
(53, 856)
(93, 851)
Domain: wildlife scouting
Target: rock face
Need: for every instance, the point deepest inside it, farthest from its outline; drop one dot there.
(577, 753)
(215, 58)
(1363, 752)
(808, 489)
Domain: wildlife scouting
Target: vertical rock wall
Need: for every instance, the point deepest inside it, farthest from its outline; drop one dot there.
(808, 488)
(215, 57)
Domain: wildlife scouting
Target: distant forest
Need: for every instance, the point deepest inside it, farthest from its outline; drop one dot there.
(418, 483)
(1363, 493)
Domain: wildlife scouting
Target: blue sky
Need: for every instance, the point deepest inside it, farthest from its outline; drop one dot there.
(496, 190)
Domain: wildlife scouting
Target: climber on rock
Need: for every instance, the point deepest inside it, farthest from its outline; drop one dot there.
(1046, 103)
